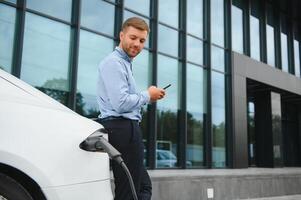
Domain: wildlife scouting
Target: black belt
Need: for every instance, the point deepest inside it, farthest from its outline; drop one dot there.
(110, 118)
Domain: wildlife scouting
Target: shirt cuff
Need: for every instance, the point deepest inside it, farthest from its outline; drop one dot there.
(146, 97)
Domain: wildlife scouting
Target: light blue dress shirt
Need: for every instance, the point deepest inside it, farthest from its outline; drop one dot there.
(117, 93)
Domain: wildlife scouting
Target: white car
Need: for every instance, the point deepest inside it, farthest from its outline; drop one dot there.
(40, 157)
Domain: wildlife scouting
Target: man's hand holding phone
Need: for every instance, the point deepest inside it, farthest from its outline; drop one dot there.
(155, 93)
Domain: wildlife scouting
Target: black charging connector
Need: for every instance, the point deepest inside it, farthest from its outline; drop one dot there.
(97, 143)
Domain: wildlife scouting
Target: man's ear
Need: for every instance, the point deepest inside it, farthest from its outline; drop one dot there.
(121, 35)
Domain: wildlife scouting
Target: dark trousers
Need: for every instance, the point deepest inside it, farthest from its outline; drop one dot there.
(125, 135)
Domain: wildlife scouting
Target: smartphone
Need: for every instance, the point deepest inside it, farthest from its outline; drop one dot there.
(167, 86)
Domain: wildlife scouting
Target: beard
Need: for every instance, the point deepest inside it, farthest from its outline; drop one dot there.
(130, 50)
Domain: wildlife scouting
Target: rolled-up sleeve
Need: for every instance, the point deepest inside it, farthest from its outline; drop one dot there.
(115, 80)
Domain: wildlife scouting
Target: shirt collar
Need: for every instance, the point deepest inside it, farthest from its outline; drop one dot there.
(123, 54)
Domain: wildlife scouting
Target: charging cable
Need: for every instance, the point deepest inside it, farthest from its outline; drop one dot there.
(97, 143)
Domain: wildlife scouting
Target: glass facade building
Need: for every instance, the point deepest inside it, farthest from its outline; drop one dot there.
(56, 46)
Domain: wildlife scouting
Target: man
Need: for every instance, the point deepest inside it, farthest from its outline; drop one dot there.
(120, 106)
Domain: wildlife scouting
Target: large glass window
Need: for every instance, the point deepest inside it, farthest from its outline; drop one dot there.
(217, 22)
(194, 50)
(284, 45)
(237, 26)
(297, 57)
(11, 1)
(169, 12)
(7, 30)
(168, 40)
(142, 7)
(142, 74)
(167, 128)
(56, 8)
(284, 53)
(92, 49)
(218, 120)
(255, 30)
(195, 17)
(196, 111)
(98, 15)
(270, 37)
(218, 58)
(45, 61)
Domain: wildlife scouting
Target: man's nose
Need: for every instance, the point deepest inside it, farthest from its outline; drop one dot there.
(136, 43)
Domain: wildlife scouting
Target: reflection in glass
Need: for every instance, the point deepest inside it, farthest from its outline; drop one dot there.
(128, 14)
(270, 45)
(98, 15)
(217, 22)
(196, 110)
(254, 38)
(297, 58)
(169, 12)
(56, 8)
(11, 1)
(270, 36)
(218, 58)
(92, 49)
(237, 29)
(218, 120)
(142, 7)
(194, 50)
(195, 17)
(167, 111)
(251, 134)
(284, 53)
(45, 60)
(7, 30)
(168, 41)
(141, 71)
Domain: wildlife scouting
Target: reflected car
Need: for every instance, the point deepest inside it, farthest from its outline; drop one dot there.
(40, 156)
(166, 158)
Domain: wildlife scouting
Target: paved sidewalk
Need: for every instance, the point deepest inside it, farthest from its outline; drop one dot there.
(290, 197)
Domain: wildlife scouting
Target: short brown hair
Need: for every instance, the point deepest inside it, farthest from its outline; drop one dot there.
(135, 22)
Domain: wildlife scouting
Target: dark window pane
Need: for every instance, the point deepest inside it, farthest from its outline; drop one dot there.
(196, 110)
(56, 8)
(218, 58)
(142, 7)
(7, 29)
(297, 57)
(217, 22)
(45, 61)
(128, 14)
(168, 41)
(98, 15)
(169, 12)
(195, 17)
(237, 29)
(92, 49)
(194, 50)
(167, 110)
(218, 120)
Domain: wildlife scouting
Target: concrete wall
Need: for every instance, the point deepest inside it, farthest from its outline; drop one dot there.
(228, 184)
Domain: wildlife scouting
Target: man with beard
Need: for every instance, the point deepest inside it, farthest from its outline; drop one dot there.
(120, 105)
